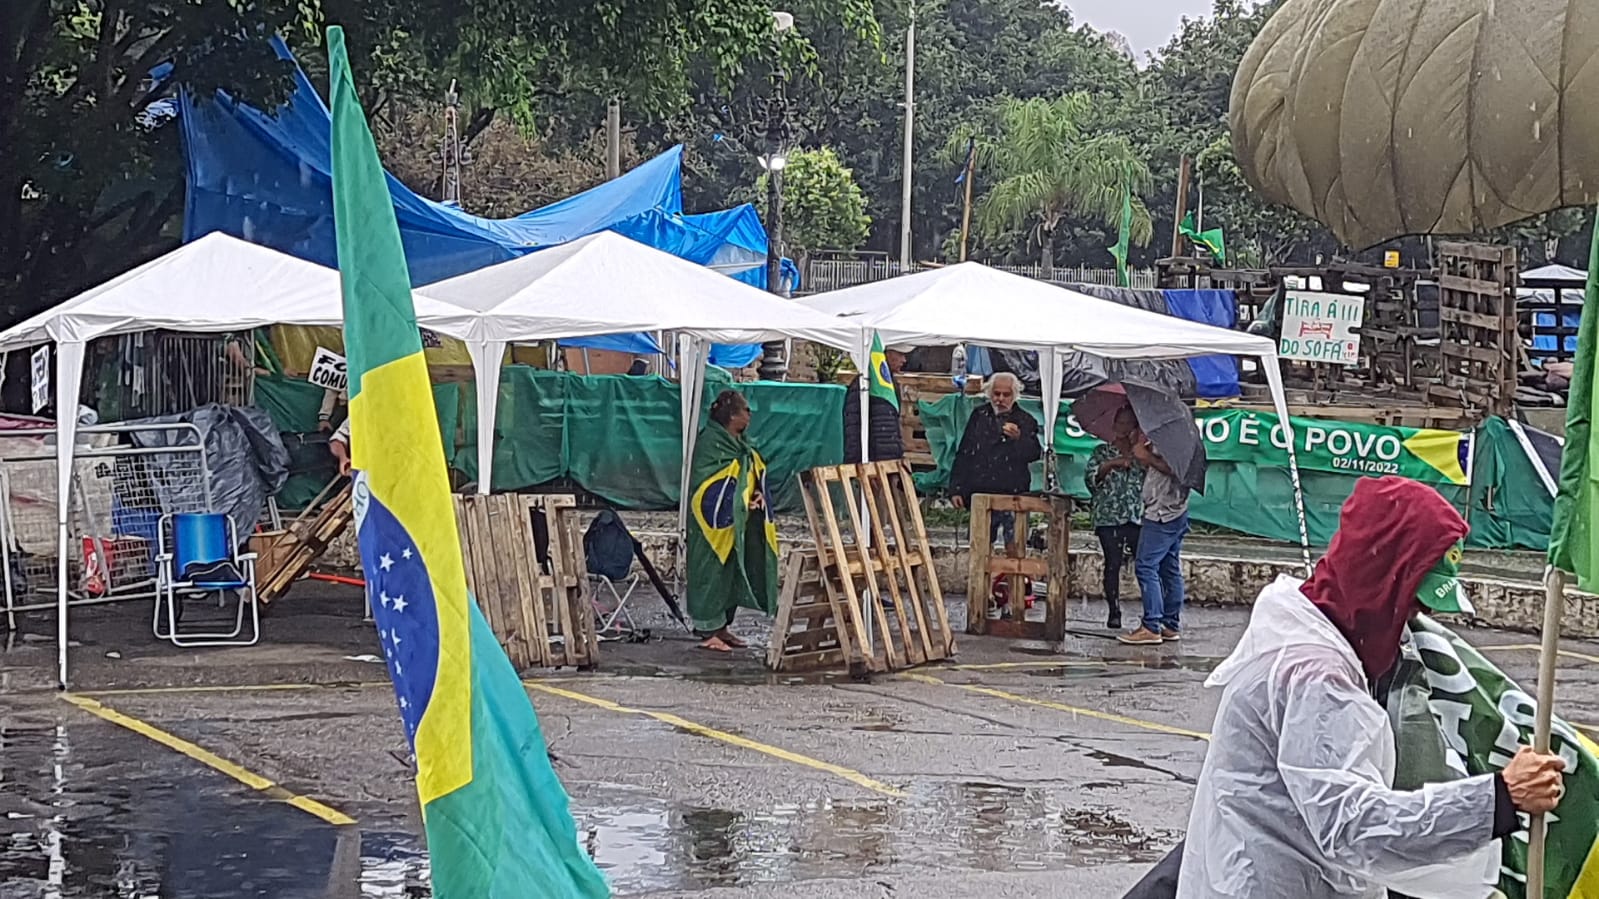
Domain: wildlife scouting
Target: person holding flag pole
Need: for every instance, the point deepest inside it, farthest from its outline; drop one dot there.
(497, 820)
(1571, 543)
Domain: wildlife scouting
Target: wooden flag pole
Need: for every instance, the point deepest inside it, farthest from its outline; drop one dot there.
(1183, 174)
(1554, 603)
(966, 212)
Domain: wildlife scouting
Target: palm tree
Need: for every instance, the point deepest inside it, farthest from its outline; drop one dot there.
(1050, 170)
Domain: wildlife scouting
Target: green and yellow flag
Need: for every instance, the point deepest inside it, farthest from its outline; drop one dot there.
(1472, 721)
(497, 820)
(882, 384)
(1213, 239)
(1571, 542)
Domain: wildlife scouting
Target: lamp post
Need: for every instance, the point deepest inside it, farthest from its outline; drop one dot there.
(910, 132)
(774, 354)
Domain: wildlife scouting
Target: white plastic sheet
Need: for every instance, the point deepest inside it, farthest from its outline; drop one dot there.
(1294, 799)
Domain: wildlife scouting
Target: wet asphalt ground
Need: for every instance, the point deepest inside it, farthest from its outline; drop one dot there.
(1019, 770)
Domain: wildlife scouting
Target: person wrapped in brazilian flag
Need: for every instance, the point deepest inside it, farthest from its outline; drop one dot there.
(732, 542)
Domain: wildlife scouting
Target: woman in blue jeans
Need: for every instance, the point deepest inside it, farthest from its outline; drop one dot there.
(1159, 565)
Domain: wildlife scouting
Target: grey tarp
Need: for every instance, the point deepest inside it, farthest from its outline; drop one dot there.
(1382, 119)
(243, 451)
(1085, 372)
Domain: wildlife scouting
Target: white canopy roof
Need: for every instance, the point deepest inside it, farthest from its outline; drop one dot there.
(975, 303)
(216, 283)
(1556, 272)
(606, 284)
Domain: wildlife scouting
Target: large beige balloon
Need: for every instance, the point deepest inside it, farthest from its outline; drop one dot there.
(1384, 118)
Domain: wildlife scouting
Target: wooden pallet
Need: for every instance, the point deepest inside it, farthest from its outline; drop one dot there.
(1017, 566)
(285, 556)
(812, 630)
(885, 556)
(1480, 344)
(540, 612)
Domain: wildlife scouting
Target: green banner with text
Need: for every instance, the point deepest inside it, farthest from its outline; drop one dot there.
(1237, 435)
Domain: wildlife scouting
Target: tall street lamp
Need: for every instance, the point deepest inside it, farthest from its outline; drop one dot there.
(774, 355)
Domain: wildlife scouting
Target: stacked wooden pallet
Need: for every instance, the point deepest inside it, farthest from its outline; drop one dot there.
(525, 566)
(283, 557)
(875, 569)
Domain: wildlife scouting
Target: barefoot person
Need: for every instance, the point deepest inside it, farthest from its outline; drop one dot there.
(732, 543)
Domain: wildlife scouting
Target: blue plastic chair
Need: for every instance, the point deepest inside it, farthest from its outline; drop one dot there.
(204, 559)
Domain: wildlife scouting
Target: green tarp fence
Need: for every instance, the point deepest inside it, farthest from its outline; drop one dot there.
(620, 438)
(1249, 489)
(616, 436)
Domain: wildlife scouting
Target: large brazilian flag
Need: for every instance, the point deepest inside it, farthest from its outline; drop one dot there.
(497, 820)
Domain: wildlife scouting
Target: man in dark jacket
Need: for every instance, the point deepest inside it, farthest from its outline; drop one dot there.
(996, 450)
(883, 423)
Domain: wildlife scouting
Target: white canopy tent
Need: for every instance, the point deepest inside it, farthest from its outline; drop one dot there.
(605, 284)
(973, 303)
(188, 289)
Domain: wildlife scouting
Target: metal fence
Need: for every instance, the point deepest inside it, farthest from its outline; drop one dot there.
(831, 273)
(154, 373)
(118, 495)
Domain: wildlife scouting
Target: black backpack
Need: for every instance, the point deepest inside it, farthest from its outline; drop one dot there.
(609, 546)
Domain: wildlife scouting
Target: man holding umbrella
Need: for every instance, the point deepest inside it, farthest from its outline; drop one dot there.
(1167, 446)
(1158, 565)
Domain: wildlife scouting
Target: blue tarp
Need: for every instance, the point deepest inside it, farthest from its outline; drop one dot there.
(1215, 377)
(267, 179)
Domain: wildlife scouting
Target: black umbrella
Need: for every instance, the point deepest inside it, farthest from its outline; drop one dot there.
(1164, 419)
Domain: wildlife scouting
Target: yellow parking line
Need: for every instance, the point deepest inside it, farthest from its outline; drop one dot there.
(1061, 707)
(210, 759)
(245, 688)
(1534, 647)
(854, 777)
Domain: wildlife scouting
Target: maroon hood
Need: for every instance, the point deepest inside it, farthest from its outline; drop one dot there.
(1391, 533)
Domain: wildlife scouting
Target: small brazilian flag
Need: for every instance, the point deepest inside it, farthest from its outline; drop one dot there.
(1214, 240)
(497, 821)
(882, 377)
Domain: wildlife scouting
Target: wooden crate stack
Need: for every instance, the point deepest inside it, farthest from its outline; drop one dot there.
(1479, 346)
(540, 613)
(877, 571)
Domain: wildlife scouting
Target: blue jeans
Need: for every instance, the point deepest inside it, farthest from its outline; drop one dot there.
(1001, 524)
(1160, 572)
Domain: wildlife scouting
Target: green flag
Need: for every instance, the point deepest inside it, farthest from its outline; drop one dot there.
(882, 384)
(1571, 542)
(1213, 239)
(496, 817)
(1479, 718)
(1124, 238)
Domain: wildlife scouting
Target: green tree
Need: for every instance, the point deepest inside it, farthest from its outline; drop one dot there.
(823, 207)
(1051, 170)
(83, 157)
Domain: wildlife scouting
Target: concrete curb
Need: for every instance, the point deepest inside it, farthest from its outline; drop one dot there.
(1509, 604)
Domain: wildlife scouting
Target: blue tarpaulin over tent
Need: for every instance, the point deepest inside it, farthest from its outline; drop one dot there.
(268, 179)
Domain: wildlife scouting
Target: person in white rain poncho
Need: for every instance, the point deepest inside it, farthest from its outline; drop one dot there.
(1295, 801)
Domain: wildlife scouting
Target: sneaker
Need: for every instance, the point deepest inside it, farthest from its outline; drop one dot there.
(1169, 635)
(1142, 637)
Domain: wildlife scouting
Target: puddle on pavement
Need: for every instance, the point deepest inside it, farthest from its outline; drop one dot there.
(1086, 667)
(87, 812)
(972, 826)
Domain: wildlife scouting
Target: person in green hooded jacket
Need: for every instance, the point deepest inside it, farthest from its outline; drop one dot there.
(732, 542)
